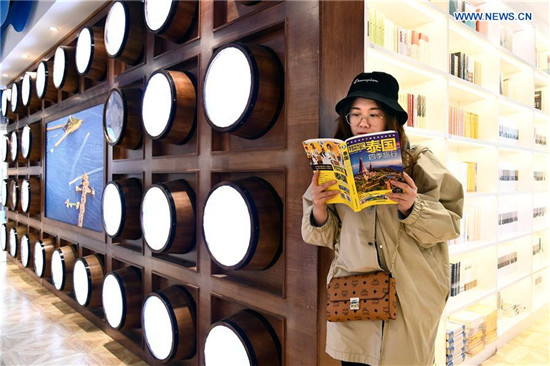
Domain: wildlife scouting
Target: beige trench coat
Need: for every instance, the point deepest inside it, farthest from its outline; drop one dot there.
(365, 242)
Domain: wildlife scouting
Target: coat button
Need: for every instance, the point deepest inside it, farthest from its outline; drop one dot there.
(371, 243)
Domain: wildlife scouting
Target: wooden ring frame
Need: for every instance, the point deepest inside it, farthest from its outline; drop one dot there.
(128, 280)
(67, 258)
(177, 23)
(89, 268)
(129, 193)
(131, 48)
(31, 187)
(43, 249)
(130, 135)
(47, 91)
(69, 78)
(95, 66)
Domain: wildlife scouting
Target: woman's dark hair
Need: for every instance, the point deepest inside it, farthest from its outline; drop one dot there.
(343, 131)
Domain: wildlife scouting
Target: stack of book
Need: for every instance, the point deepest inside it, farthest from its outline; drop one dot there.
(383, 32)
(474, 329)
(491, 320)
(463, 123)
(465, 67)
(507, 261)
(508, 220)
(415, 105)
(455, 343)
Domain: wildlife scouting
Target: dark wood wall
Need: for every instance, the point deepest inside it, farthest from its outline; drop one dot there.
(320, 45)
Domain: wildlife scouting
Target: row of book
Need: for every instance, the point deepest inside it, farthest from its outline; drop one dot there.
(539, 176)
(415, 105)
(383, 32)
(508, 132)
(470, 226)
(539, 212)
(465, 67)
(507, 175)
(480, 326)
(540, 139)
(507, 218)
(538, 100)
(464, 276)
(463, 123)
(466, 173)
(455, 343)
(507, 259)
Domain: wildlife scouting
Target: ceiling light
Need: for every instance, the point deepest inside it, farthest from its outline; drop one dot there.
(54, 29)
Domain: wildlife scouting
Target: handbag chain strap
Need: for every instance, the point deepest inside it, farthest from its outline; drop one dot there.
(394, 256)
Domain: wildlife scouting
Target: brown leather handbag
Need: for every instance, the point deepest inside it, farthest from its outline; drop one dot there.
(367, 296)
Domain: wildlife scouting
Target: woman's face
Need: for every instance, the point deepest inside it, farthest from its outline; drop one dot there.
(368, 116)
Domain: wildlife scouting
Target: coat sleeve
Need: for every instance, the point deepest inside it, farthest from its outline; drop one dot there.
(437, 210)
(326, 235)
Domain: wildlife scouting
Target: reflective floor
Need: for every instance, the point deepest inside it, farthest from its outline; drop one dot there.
(37, 328)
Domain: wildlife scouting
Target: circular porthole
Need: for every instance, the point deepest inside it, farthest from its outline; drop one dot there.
(4, 235)
(124, 31)
(6, 95)
(16, 234)
(64, 69)
(4, 192)
(45, 89)
(30, 196)
(244, 339)
(43, 251)
(169, 19)
(242, 224)
(14, 195)
(28, 93)
(168, 217)
(168, 319)
(122, 118)
(120, 208)
(122, 298)
(14, 146)
(15, 100)
(26, 253)
(31, 147)
(243, 90)
(169, 105)
(63, 261)
(88, 280)
(91, 59)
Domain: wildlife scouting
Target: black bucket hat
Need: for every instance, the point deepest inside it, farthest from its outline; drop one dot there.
(378, 86)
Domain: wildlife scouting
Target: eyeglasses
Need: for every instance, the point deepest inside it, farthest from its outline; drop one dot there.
(354, 119)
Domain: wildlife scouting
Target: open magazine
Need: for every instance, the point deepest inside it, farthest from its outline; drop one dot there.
(361, 165)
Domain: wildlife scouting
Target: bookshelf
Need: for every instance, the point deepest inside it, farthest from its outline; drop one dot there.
(489, 122)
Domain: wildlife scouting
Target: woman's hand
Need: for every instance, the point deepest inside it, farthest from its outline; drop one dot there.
(320, 196)
(406, 199)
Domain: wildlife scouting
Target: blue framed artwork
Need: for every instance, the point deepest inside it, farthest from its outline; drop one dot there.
(75, 153)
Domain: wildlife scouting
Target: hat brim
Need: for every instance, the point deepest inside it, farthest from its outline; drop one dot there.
(402, 116)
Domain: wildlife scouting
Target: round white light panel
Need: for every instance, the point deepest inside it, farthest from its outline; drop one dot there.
(114, 117)
(115, 29)
(156, 13)
(59, 67)
(38, 259)
(57, 270)
(26, 89)
(157, 327)
(13, 242)
(4, 237)
(25, 250)
(25, 195)
(26, 141)
(227, 87)
(112, 209)
(14, 145)
(157, 104)
(14, 96)
(113, 302)
(41, 79)
(224, 347)
(156, 218)
(84, 50)
(80, 282)
(227, 225)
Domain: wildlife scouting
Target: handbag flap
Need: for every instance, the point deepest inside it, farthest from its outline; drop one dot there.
(368, 286)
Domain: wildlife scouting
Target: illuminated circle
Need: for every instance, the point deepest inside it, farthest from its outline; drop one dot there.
(25, 195)
(88, 280)
(168, 217)
(243, 90)
(168, 108)
(112, 209)
(59, 66)
(28, 94)
(26, 142)
(123, 32)
(14, 242)
(242, 224)
(14, 146)
(43, 251)
(84, 51)
(63, 260)
(41, 79)
(14, 195)
(121, 296)
(115, 29)
(169, 324)
(122, 118)
(26, 250)
(4, 237)
(6, 95)
(170, 19)
(15, 98)
(246, 339)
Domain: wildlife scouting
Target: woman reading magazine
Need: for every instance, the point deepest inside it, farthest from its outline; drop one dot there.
(408, 237)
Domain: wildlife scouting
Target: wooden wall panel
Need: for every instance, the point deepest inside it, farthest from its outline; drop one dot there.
(319, 44)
